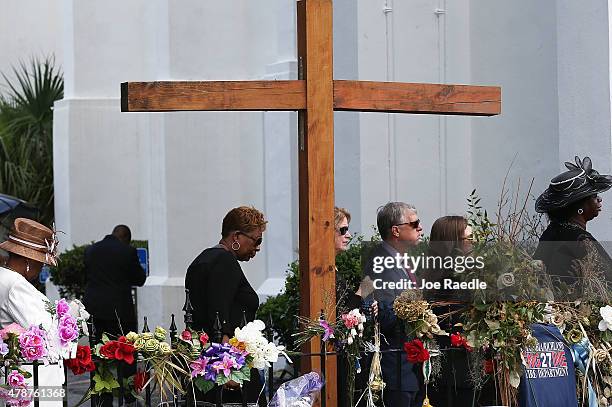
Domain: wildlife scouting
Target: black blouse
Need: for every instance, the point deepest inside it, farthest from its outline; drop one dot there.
(217, 283)
(561, 244)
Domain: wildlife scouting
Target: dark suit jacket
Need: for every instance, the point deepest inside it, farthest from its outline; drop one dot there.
(112, 269)
(390, 327)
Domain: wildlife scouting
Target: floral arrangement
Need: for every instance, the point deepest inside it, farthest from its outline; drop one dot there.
(163, 364)
(587, 327)
(345, 334)
(46, 343)
(419, 319)
(220, 363)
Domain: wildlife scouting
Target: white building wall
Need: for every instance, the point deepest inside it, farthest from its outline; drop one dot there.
(172, 177)
(29, 29)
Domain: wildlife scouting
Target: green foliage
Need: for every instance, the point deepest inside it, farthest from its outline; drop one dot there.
(285, 307)
(482, 228)
(26, 134)
(70, 277)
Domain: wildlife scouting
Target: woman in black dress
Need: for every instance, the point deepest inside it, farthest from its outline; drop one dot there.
(217, 284)
(451, 236)
(571, 201)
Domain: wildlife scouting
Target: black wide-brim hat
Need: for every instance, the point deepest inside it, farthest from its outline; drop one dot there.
(579, 182)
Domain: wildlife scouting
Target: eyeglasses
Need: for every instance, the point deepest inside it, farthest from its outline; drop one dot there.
(343, 230)
(414, 224)
(257, 241)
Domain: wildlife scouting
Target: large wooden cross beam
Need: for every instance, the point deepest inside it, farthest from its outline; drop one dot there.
(315, 95)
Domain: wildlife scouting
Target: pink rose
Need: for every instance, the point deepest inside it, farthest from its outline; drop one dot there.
(33, 343)
(62, 307)
(15, 379)
(67, 334)
(11, 329)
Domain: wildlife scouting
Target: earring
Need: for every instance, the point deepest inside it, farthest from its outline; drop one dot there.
(580, 211)
(236, 248)
(27, 267)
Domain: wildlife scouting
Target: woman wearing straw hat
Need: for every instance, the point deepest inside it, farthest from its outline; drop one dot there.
(29, 245)
(571, 201)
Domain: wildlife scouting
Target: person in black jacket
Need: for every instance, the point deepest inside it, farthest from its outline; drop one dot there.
(113, 268)
(217, 284)
(571, 201)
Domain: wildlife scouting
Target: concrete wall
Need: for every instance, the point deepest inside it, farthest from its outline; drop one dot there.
(173, 176)
(29, 29)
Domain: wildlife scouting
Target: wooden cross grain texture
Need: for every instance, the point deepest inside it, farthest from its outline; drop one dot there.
(315, 95)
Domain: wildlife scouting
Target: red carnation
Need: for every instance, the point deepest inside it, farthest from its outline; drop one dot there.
(416, 352)
(488, 366)
(109, 349)
(82, 363)
(140, 379)
(204, 339)
(459, 341)
(125, 351)
(120, 350)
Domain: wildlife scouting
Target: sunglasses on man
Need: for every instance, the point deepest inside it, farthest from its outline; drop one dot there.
(414, 224)
(343, 230)
(257, 241)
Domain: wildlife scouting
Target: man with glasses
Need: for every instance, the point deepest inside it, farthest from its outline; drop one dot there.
(400, 229)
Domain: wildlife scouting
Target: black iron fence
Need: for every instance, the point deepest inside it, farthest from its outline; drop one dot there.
(270, 385)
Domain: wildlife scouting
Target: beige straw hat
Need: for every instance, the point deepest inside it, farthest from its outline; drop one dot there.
(30, 239)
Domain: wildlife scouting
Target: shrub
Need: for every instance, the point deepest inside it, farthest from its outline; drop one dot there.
(284, 308)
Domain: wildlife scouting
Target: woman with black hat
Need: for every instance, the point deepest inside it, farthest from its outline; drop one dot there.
(571, 201)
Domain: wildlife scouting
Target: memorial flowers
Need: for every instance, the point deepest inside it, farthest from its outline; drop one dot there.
(220, 363)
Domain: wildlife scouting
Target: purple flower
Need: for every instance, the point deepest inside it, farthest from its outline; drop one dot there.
(225, 365)
(210, 374)
(198, 366)
(329, 331)
(4, 349)
(15, 379)
(62, 307)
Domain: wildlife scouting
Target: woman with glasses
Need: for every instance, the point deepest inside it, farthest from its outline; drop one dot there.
(451, 236)
(217, 284)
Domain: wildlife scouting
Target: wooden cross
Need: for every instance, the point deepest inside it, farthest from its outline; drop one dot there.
(315, 95)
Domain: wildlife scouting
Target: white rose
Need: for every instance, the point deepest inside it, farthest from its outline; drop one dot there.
(606, 321)
(350, 340)
(271, 353)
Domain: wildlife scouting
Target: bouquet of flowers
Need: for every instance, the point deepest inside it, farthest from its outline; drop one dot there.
(417, 315)
(346, 336)
(587, 327)
(46, 343)
(220, 363)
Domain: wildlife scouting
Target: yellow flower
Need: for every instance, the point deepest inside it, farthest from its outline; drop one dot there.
(139, 343)
(165, 348)
(147, 335)
(160, 333)
(131, 337)
(152, 345)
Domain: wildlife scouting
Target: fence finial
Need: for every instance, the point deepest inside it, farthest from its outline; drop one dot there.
(188, 309)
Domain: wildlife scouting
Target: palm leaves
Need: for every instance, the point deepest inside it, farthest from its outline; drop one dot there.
(26, 133)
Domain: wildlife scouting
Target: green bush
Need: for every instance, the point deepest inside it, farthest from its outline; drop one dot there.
(284, 308)
(69, 276)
